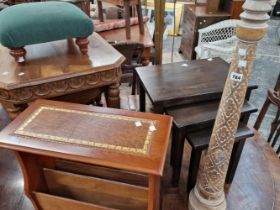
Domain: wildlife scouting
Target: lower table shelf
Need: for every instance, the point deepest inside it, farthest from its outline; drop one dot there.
(74, 191)
(51, 202)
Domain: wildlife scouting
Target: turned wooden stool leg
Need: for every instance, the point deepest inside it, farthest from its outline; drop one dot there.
(19, 54)
(140, 16)
(83, 44)
(127, 18)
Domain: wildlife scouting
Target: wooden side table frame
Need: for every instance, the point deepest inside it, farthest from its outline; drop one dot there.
(126, 4)
(57, 70)
(120, 145)
(180, 133)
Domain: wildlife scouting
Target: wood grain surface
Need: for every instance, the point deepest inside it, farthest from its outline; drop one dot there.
(184, 82)
(57, 60)
(150, 163)
(256, 184)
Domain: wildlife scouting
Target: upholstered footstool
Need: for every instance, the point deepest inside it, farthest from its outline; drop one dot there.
(41, 22)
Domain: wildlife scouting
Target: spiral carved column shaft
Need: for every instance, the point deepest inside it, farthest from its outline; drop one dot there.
(209, 190)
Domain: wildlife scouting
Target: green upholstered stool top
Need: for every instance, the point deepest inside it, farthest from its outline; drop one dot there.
(40, 22)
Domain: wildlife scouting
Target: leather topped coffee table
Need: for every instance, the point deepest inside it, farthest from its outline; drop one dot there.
(48, 131)
(57, 70)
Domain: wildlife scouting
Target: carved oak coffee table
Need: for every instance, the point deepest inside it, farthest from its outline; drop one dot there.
(49, 132)
(57, 70)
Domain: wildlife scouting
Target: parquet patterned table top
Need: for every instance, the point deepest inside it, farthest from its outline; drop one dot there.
(101, 136)
(89, 129)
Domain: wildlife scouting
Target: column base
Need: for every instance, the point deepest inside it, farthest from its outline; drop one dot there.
(196, 202)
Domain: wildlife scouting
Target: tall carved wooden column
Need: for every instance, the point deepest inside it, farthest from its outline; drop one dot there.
(209, 190)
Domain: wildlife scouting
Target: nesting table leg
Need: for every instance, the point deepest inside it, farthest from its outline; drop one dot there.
(154, 192)
(177, 149)
(234, 160)
(142, 97)
(193, 168)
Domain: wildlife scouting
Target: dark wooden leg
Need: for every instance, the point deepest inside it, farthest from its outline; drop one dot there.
(193, 168)
(142, 97)
(83, 44)
(154, 193)
(178, 141)
(173, 145)
(158, 109)
(97, 100)
(146, 56)
(113, 96)
(100, 11)
(133, 89)
(262, 114)
(13, 110)
(18, 54)
(140, 17)
(234, 160)
(248, 94)
(127, 18)
(276, 135)
(273, 127)
(84, 6)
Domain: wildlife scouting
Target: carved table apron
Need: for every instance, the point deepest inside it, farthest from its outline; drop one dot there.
(58, 71)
